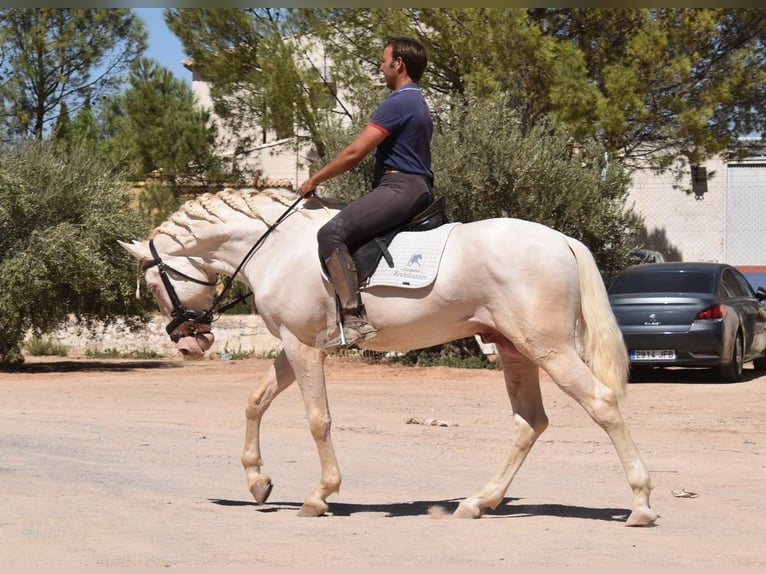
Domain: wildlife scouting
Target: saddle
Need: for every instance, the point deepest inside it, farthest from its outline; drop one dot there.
(368, 255)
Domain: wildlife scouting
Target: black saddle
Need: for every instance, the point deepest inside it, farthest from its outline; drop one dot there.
(367, 256)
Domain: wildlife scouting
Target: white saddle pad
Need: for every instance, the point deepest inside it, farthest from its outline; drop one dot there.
(416, 256)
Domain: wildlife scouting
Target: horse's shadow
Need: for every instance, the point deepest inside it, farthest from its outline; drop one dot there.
(424, 507)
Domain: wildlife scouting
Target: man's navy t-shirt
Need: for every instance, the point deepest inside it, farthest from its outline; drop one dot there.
(405, 118)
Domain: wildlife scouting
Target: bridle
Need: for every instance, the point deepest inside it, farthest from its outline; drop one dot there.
(181, 314)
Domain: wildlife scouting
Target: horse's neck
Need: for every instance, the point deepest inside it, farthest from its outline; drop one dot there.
(223, 237)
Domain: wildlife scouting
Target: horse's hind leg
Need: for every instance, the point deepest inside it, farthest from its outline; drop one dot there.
(529, 421)
(279, 377)
(575, 378)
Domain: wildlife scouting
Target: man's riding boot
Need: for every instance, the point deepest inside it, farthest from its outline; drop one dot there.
(355, 327)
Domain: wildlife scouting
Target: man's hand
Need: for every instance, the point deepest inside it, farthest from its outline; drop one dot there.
(307, 188)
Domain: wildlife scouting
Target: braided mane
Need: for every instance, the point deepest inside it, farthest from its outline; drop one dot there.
(221, 207)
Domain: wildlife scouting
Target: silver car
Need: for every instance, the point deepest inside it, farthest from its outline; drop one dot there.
(690, 315)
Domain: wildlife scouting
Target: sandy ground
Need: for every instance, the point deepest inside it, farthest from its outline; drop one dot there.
(120, 463)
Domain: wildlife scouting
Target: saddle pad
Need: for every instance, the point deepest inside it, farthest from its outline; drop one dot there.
(416, 256)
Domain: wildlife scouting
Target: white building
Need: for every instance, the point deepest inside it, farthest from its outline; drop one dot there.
(279, 160)
(724, 220)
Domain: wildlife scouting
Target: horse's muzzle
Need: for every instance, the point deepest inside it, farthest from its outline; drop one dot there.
(196, 345)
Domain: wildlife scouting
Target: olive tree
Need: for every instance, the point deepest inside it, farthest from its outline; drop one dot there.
(61, 213)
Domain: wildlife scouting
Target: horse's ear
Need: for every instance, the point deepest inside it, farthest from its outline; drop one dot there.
(138, 249)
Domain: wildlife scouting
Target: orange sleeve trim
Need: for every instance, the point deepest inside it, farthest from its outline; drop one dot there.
(379, 127)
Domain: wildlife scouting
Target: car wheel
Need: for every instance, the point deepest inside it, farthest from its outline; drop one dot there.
(759, 363)
(732, 371)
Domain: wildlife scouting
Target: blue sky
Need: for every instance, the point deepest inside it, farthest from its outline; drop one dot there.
(164, 47)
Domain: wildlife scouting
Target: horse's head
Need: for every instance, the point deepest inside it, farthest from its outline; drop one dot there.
(184, 293)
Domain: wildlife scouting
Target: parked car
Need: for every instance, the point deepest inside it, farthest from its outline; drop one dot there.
(690, 315)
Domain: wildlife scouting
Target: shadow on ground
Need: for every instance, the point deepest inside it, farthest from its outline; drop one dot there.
(422, 508)
(687, 375)
(74, 366)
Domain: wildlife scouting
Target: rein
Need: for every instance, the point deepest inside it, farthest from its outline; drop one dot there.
(182, 314)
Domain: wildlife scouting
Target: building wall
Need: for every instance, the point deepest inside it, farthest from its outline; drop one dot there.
(682, 226)
(233, 334)
(283, 160)
(726, 224)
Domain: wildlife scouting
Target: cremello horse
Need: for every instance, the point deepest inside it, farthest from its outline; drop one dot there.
(534, 292)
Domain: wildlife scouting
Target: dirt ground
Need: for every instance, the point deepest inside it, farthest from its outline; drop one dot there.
(136, 463)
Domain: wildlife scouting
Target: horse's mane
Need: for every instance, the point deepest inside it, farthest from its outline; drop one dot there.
(210, 208)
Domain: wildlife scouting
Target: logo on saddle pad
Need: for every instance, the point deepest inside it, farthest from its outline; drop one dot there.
(414, 260)
(416, 256)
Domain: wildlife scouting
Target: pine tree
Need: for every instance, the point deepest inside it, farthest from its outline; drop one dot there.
(62, 55)
(155, 126)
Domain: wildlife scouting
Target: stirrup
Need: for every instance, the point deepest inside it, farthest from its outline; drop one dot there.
(354, 331)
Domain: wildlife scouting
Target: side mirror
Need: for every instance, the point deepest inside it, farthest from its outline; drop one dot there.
(760, 294)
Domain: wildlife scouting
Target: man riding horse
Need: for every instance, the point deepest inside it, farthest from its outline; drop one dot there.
(400, 132)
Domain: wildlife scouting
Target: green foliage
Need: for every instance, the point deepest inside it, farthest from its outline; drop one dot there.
(258, 71)
(157, 202)
(111, 353)
(61, 214)
(671, 86)
(487, 166)
(52, 56)
(336, 137)
(673, 83)
(157, 127)
(44, 347)
(443, 356)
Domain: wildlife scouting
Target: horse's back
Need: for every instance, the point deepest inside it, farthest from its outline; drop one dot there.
(515, 250)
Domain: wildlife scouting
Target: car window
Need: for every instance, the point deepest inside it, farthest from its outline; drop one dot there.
(743, 288)
(664, 282)
(730, 285)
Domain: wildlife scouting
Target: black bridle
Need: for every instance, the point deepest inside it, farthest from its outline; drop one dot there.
(181, 314)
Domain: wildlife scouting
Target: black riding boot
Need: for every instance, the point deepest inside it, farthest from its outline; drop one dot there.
(355, 327)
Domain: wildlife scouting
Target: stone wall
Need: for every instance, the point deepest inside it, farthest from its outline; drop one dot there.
(233, 334)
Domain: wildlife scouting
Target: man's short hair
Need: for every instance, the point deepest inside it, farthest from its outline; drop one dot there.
(412, 53)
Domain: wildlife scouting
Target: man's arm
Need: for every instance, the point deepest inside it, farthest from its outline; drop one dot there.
(347, 158)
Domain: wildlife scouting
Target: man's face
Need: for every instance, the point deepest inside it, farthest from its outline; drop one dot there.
(388, 67)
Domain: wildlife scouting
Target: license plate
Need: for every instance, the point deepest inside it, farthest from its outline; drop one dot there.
(653, 355)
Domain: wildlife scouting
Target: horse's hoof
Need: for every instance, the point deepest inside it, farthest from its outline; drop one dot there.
(261, 489)
(313, 509)
(641, 517)
(467, 510)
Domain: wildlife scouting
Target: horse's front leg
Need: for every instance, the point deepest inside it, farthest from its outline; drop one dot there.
(308, 365)
(279, 377)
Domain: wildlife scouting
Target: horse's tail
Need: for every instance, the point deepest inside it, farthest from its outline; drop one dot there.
(601, 344)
